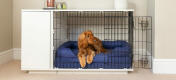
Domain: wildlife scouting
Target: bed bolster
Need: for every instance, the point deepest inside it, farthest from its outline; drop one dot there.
(65, 52)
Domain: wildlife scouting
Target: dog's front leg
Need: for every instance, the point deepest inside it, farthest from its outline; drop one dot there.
(90, 55)
(82, 59)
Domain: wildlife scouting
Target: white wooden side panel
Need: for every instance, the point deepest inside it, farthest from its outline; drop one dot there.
(36, 40)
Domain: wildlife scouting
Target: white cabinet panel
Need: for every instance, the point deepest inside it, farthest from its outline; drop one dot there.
(36, 40)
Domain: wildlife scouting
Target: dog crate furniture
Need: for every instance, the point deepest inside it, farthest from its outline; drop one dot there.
(49, 39)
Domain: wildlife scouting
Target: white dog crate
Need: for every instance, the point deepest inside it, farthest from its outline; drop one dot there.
(46, 32)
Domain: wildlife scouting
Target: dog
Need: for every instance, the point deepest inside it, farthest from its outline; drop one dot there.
(88, 46)
(85, 49)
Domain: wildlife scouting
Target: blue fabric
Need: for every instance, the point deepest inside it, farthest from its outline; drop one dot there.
(119, 56)
(115, 63)
(119, 48)
(93, 66)
(96, 60)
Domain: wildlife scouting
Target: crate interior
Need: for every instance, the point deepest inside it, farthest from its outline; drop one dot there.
(107, 26)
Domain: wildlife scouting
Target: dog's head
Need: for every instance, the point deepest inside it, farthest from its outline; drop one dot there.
(85, 36)
(89, 37)
(88, 34)
(93, 40)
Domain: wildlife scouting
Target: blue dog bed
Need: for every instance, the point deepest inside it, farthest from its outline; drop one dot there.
(119, 56)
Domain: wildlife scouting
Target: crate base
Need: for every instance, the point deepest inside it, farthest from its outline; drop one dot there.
(81, 71)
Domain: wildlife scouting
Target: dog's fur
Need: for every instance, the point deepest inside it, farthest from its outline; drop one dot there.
(85, 49)
(97, 44)
(88, 45)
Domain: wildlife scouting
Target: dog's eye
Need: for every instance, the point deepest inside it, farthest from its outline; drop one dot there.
(88, 36)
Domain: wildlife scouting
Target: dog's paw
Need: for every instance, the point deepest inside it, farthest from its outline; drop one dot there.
(83, 64)
(89, 61)
(90, 57)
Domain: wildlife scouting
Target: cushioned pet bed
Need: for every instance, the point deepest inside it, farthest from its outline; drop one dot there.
(119, 56)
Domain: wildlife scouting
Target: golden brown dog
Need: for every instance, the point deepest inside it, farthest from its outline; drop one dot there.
(85, 49)
(88, 45)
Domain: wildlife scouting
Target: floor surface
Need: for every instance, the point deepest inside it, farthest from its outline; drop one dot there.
(11, 71)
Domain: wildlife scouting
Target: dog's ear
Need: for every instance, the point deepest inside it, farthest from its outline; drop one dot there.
(82, 37)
